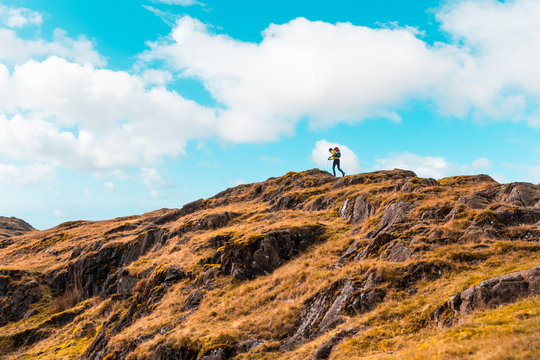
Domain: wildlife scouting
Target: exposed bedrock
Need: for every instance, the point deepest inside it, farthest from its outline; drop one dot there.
(100, 272)
(490, 293)
(262, 254)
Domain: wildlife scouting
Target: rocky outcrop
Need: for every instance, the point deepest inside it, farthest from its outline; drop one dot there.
(11, 226)
(395, 213)
(261, 254)
(490, 293)
(357, 295)
(18, 291)
(152, 291)
(166, 352)
(356, 209)
(324, 350)
(98, 272)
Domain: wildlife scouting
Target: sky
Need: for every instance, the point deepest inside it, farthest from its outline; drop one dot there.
(116, 108)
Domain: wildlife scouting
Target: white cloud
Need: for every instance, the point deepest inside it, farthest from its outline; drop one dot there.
(155, 194)
(19, 17)
(27, 175)
(349, 162)
(432, 166)
(423, 166)
(59, 108)
(156, 77)
(118, 126)
(330, 73)
(109, 186)
(14, 49)
(152, 178)
(500, 72)
(481, 164)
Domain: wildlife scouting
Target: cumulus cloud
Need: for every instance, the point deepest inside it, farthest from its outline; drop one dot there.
(423, 166)
(19, 17)
(349, 161)
(329, 73)
(118, 126)
(153, 179)
(59, 106)
(15, 49)
(27, 175)
(499, 75)
(432, 166)
(109, 186)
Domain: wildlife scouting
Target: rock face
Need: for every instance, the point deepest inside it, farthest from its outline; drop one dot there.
(260, 255)
(18, 290)
(357, 295)
(94, 272)
(356, 210)
(10, 226)
(491, 293)
(325, 349)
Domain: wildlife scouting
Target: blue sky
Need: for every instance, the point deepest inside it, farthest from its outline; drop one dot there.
(117, 108)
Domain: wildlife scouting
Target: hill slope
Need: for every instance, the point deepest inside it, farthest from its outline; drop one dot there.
(378, 265)
(11, 226)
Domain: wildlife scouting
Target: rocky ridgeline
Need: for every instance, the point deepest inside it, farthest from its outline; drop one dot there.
(391, 217)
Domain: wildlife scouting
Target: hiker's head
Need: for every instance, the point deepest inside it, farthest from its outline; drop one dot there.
(336, 149)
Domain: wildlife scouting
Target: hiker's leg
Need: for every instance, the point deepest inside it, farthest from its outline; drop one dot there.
(334, 166)
(339, 167)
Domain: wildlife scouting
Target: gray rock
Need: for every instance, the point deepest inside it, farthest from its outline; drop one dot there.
(490, 293)
(519, 194)
(194, 300)
(356, 210)
(395, 213)
(325, 349)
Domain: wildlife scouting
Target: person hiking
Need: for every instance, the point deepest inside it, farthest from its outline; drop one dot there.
(336, 154)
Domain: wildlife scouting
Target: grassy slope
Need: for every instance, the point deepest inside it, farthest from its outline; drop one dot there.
(268, 307)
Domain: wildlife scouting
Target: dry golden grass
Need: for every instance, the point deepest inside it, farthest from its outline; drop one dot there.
(267, 308)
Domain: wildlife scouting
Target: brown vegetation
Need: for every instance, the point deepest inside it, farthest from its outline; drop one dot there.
(370, 266)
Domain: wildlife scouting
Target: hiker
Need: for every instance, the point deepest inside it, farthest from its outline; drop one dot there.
(336, 154)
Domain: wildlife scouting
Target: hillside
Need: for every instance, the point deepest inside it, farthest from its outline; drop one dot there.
(11, 226)
(381, 265)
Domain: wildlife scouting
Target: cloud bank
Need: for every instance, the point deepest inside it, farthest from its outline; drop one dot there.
(61, 107)
(331, 73)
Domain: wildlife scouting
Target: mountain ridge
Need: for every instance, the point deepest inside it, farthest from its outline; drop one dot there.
(302, 265)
